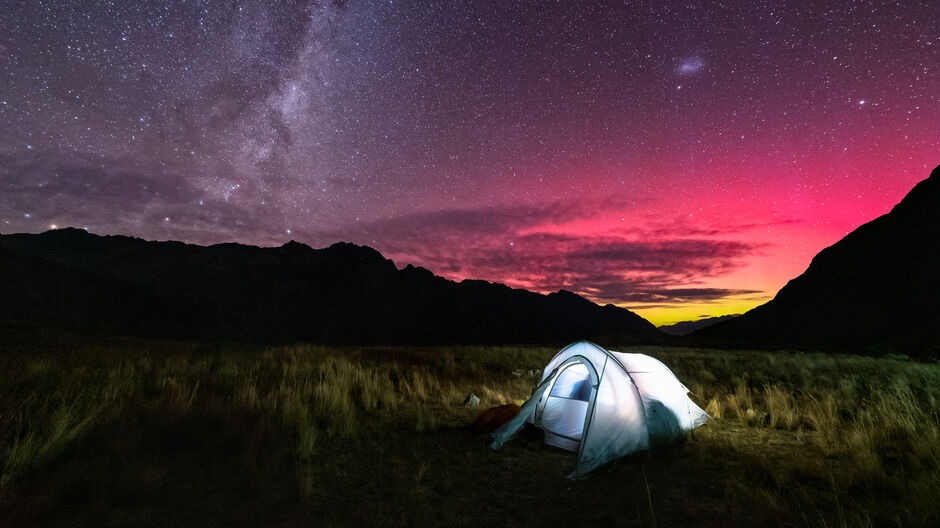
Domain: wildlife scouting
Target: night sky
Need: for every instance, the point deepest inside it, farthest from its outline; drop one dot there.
(681, 159)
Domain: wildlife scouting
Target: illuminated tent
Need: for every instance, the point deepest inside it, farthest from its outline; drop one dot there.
(605, 405)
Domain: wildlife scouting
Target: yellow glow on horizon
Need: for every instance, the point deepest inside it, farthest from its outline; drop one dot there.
(666, 315)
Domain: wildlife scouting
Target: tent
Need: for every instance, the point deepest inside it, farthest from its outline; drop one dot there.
(605, 405)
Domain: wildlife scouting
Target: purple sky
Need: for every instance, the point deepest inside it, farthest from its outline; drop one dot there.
(681, 159)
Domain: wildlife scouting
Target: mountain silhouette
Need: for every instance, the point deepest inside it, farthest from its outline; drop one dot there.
(78, 281)
(875, 290)
(683, 328)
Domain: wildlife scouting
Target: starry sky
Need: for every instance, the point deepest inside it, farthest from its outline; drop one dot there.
(681, 159)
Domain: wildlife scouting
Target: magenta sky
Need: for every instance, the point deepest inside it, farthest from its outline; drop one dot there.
(678, 159)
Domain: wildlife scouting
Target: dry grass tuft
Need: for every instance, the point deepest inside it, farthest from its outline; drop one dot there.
(819, 440)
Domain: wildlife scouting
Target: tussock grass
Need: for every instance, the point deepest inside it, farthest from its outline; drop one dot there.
(867, 427)
(819, 440)
(308, 391)
(37, 447)
(781, 407)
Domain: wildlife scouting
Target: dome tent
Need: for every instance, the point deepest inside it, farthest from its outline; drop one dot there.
(605, 405)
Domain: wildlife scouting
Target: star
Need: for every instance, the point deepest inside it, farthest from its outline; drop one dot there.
(443, 133)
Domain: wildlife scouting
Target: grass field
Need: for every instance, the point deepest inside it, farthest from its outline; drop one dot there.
(170, 434)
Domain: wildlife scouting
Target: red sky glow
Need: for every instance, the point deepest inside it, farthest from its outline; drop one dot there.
(679, 159)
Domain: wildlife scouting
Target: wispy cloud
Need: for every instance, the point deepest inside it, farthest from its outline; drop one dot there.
(655, 261)
(658, 263)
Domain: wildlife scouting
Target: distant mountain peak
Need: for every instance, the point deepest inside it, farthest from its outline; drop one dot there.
(348, 248)
(687, 327)
(567, 295)
(293, 244)
(67, 232)
(411, 269)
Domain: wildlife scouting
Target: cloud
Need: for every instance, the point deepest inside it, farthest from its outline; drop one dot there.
(682, 295)
(684, 226)
(662, 264)
(545, 254)
(495, 219)
(620, 271)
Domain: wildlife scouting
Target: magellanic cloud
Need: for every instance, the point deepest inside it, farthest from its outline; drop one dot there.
(547, 145)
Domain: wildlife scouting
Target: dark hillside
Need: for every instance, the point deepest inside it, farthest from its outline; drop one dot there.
(345, 293)
(876, 289)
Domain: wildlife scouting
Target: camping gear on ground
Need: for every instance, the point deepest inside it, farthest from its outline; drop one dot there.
(604, 405)
(494, 418)
(471, 401)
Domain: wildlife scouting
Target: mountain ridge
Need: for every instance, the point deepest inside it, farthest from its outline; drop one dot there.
(344, 293)
(683, 328)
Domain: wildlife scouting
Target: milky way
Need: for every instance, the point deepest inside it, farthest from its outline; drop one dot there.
(681, 159)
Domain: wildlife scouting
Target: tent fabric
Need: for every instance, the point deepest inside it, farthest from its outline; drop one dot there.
(605, 405)
(564, 417)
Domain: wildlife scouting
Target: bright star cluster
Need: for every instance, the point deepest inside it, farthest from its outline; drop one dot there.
(680, 159)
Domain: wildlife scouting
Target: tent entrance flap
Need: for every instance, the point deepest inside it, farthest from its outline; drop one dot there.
(564, 409)
(563, 419)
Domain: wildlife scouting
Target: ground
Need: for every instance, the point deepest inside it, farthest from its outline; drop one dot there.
(147, 433)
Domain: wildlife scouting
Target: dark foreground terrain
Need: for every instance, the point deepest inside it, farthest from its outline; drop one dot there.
(138, 433)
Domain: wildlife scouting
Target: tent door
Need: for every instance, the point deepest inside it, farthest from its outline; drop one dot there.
(564, 409)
